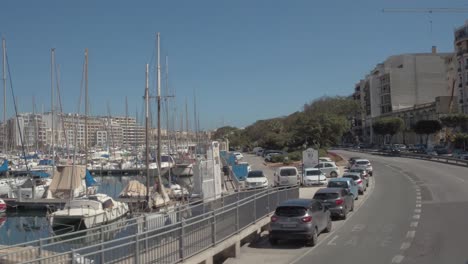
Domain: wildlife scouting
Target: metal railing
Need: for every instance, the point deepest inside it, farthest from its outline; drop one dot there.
(441, 159)
(195, 230)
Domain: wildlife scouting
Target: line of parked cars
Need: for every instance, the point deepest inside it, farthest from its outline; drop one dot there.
(305, 219)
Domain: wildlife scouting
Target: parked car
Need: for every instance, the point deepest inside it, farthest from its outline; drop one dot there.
(265, 152)
(338, 200)
(269, 156)
(329, 168)
(299, 219)
(352, 160)
(362, 172)
(238, 155)
(360, 181)
(313, 176)
(256, 179)
(345, 183)
(286, 176)
(258, 151)
(325, 159)
(364, 164)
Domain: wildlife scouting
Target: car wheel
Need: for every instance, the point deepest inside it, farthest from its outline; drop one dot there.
(329, 226)
(361, 192)
(333, 174)
(352, 207)
(345, 215)
(313, 240)
(357, 197)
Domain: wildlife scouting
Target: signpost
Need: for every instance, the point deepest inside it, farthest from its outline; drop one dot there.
(310, 158)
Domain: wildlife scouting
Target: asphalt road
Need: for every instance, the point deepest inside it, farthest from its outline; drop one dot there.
(415, 212)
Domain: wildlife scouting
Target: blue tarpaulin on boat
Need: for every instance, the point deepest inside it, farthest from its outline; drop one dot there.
(4, 166)
(40, 174)
(35, 156)
(90, 181)
(46, 162)
(105, 156)
(240, 171)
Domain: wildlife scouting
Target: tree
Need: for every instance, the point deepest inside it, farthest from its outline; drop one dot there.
(427, 127)
(388, 126)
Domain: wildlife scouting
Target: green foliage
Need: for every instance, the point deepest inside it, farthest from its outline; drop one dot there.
(454, 120)
(323, 153)
(388, 126)
(322, 123)
(461, 140)
(427, 127)
(277, 158)
(295, 156)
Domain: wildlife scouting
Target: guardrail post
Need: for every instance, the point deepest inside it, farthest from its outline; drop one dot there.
(137, 249)
(213, 228)
(181, 240)
(39, 250)
(255, 207)
(237, 214)
(73, 259)
(102, 244)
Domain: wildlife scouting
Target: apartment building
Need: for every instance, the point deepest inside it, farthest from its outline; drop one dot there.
(461, 78)
(401, 82)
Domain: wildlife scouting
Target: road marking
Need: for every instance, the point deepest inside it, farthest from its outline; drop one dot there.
(386, 241)
(418, 205)
(414, 224)
(418, 197)
(418, 211)
(331, 242)
(405, 245)
(418, 193)
(416, 216)
(397, 259)
(411, 234)
(358, 228)
(352, 242)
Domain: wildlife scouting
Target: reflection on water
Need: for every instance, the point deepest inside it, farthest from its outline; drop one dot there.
(19, 227)
(22, 226)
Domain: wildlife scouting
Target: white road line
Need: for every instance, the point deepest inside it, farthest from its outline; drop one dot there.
(405, 245)
(416, 216)
(411, 234)
(397, 259)
(418, 211)
(418, 197)
(331, 242)
(418, 205)
(414, 224)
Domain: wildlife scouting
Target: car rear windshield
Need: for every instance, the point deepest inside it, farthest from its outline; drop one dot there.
(255, 174)
(288, 172)
(362, 162)
(338, 184)
(357, 170)
(290, 211)
(354, 177)
(326, 196)
(312, 172)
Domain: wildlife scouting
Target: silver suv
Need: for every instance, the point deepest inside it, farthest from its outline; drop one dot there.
(299, 219)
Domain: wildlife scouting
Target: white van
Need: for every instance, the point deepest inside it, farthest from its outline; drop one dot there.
(287, 176)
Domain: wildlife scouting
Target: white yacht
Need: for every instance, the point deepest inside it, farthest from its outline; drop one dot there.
(88, 212)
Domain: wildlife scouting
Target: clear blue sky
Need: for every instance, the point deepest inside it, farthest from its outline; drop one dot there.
(245, 59)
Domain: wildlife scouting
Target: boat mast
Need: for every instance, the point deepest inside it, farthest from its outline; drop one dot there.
(160, 183)
(126, 123)
(158, 98)
(52, 65)
(4, 96)
(166, 100)
(86, 106)
(147, 137)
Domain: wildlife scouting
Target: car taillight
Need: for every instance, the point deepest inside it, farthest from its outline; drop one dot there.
(339, 202)
(359, 181)
(306, 219)
(274, 218)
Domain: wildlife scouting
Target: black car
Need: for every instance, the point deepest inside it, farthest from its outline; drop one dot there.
(338, 200)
